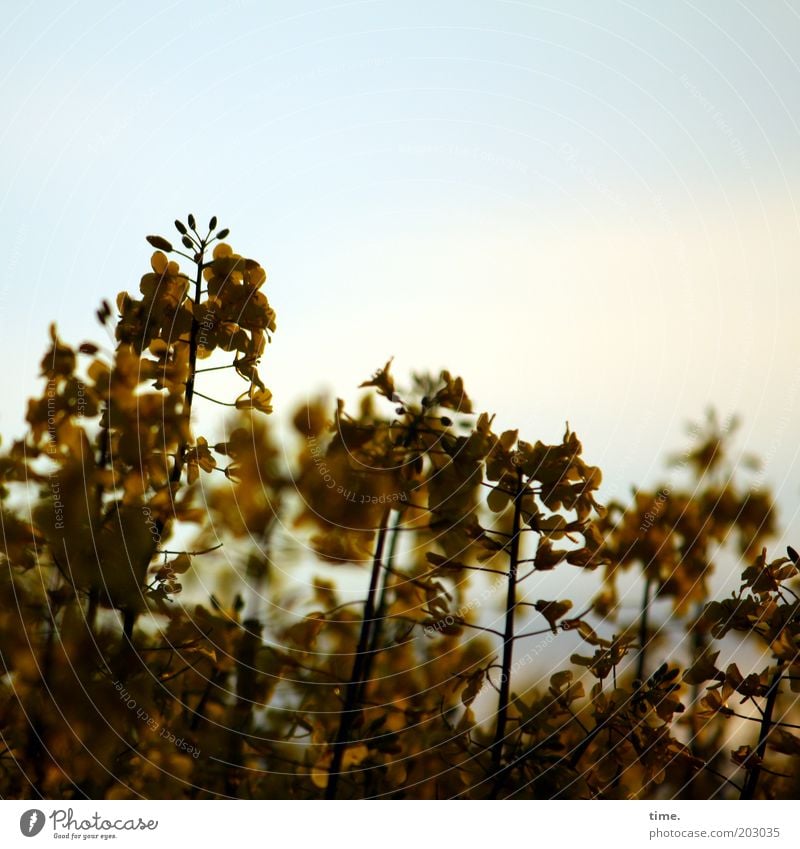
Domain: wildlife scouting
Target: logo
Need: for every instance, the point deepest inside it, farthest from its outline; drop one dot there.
(31, 822)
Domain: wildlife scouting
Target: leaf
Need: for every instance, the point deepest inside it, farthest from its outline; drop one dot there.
(549, 526)
(584, 558)
(561, 687)
(784, 742)
(703, 668)
(303, 634)
(452, 394)
(474, 685)
(498, 500)
(260, 399)
(744, 756)
(714, 702)
(383, 381)
(587, 632)
(182, 563)
(553, 611)
(547, 557)
(759, 576)
(559, 680)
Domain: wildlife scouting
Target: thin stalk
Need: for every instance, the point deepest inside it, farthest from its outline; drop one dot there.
(699, 644)
(696, 747)
(644, 630)
(508, 637)
(241, 712)
(376, 637)
(579, 751)
(177, 469)
(126, 650)
(357, 678)
(749, 789)
(104, 441)
(91, 609)
(383, 599)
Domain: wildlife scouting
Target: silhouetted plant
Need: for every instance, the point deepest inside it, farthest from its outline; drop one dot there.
(278, 684)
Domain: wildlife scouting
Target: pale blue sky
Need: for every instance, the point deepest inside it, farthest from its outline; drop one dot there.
(587, 209)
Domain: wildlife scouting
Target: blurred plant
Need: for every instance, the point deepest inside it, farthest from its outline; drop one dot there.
(284, 683)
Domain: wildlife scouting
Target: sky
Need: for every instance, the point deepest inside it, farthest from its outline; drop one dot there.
(589, 210)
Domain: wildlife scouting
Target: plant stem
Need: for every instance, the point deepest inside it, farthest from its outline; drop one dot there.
(696, 746)
(749, 789)
(383, 599)
(376, 635)
(104, 444)
(355, 685)
(177, 469)
(91, 609)
(644, 628)
(508, 637)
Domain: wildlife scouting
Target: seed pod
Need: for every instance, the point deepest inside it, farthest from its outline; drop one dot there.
(160, 243)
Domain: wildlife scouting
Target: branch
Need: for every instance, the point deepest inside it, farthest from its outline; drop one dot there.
(508, 637)
(191, 553)
(356, 682)
(749, 789)
(213, 400)
(644, 630)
